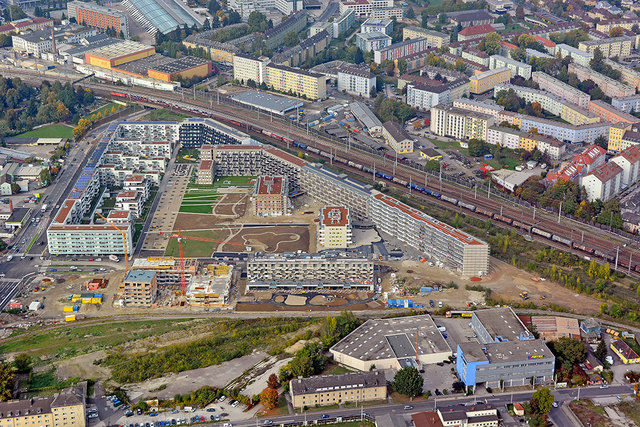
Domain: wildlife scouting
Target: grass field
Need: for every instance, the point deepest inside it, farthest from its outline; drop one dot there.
(73, 340)
(105, 109)
(199, 200)
(162, 115)
(224, 182)
(449, 145)
(195, 248)
(631, 410)
(51, 131)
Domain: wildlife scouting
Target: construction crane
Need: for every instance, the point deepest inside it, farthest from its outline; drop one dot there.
(180, 237)
(124, 238)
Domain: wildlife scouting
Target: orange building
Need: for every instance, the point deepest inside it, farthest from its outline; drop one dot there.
(270, 196)
(112, 56)
(609, 113)
(94, 15)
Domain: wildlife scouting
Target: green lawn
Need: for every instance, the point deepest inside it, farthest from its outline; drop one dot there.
(73, 340)
(511, 27)
(51, 131)
(196, 209)
(335, 369)
(162, 115)
(102, 110)
(449, 145)
(195, 248)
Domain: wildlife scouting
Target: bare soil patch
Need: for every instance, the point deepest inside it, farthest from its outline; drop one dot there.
(231, 204)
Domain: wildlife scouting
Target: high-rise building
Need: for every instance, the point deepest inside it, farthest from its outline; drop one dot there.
(93, 15)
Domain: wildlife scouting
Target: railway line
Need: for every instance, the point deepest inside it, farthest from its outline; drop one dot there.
(579, 237)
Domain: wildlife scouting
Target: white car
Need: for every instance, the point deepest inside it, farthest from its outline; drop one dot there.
(555, 404)
(236, 403)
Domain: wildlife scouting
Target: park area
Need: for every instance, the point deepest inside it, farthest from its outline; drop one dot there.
(509, 160)
(50, 131)
(227, 196)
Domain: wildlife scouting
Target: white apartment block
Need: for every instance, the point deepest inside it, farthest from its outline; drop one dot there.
(334, 227)
(343, 22)
(373, 40)
(491, 109)
(604, 182)
(35, 43)
(629, 161)
(504, 137)
(424, 97)
(561, 89)
(205, 174)
(248, 67)
(458, 123)
(364, 8)
(131, 201)
(356, 81)
(517, 68)
(309, 271)
(552, 147)
(547, 101)
(245, 7)
(377, 25)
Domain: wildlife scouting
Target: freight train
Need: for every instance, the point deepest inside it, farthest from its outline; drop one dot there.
(203, 111)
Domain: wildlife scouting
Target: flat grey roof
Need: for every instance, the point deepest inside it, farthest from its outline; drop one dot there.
(365, 115)
(502, 322)
(323, 383)
(393, 338)
(267, 101)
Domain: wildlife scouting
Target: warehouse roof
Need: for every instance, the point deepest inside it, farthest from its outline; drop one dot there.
(365, 115)
(503, 324)
(506, 351)
(143, 65)
(181, 64)
(126, 47)
(277, 104)
(393, 338)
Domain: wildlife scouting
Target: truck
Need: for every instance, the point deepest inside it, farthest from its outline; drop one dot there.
(44, 207)
(114, 258)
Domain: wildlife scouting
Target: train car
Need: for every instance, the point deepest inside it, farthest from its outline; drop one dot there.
(503, 219)
(560, 239)
(233, 122)
(366, 169)
(469, 206)
(542, 233)
(427, 191)
(436, 194)
(449, 199)
(384, 175)
(484, 212)
(340, 159)
(418, 188)
(583, 248)
(120, 94)
(313, 150)
(325, 154)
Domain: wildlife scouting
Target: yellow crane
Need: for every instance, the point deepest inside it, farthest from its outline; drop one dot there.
(124, 238)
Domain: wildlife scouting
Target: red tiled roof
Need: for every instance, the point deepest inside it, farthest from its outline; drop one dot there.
(477, 30)
(335, 216)
(589, 155)
(509, 45)
(64, 210)
(268, 185)
(426, 419)
(286, 156)
(545, 42)
(606, 171)
(206, 165)
(632, 154)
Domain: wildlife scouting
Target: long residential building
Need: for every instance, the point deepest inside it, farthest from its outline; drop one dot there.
(579, 57)
(64, 409)
(373, 40)
(296, 81)
(610, 47)
(372, 25)
(93, 15)
(306, 49)
(310, 271)
(608, 112)
(424, 93)
(338, 389)
(609, 86)
(628, 74)
(356, 81)
(561, 89)
(401, 49)
(517, 68)
(626, 23)
(274, 37)
(486, 81)
(434, 38)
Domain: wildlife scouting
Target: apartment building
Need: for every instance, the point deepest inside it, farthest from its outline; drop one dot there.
(343, 22)
(220, 52)
(609, 86)
(475, 55)
(356, 81)
(458, 123)
(609, 113)
(389, 12)
(195, 132)
(490, 108)
(310, 271)
(270, 196)
(629, 161)
(64, 409)
(454, 248)
(627, 104)
(129, 200)
(628, 74)
(338, 389)
(401, 49)
(616, 134)
(249, 67)
(373, 40)
(517, 68)
(486, 81)
(550, 146)
(547, 101)
(504, 137)
(579, 57)
(205, 173)
(371, 8)
(139, 288)
(334, 227)
(590, 158)
(373, 25)
(605, 26)
(578, 116)
(610, 47)
(306, 49)
(93, 15)
(296, 22)
(296, 81)
(35, 43)
(604, 182)
(397, 138)
(434, 38)
(424, 96)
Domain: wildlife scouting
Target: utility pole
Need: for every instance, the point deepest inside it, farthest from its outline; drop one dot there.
(617, 253)
(560, 211)
(489, 192)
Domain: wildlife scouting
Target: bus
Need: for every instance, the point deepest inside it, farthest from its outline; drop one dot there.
(458, 313)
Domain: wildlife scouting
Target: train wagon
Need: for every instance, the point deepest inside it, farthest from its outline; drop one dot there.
(561, 239)
(466, 205)
(484, 212)
(503, 219)
(449, 199)
(542, 233)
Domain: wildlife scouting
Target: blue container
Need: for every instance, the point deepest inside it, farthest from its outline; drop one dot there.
(488, 156)
(426, 289)
(340, 123)
(76, 308)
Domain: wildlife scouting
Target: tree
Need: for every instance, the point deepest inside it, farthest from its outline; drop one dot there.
(601, 141)
(390, 68)
(410, 13)
(542, 400)
(15, 188)
(269, 398)
(491, 43)
(571, 350)
(291, 39)
(22, 362)
(7, 380)
(616, 32)
(272, 381)
(519, 13)
(402, 66)
(408, 381)
(61, 111)
(257, 22)
(601, 351)
(358, 58)
(635, 28)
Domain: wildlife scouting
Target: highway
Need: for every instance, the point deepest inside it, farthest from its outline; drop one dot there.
(582, 233)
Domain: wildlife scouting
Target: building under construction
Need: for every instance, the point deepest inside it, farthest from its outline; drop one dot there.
(211, 287)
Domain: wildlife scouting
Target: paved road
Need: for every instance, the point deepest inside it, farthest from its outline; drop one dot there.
(331, 10)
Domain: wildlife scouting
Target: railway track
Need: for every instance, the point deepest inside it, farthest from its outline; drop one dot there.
(583, 237)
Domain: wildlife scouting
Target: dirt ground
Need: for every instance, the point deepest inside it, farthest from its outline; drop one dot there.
(242, 306)
(505, 281)
(231, 205)
(83, 367)
(273, 239)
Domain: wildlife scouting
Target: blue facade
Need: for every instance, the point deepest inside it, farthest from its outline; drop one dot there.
(467, 370)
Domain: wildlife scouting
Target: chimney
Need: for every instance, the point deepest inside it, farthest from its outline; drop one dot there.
(53, 39)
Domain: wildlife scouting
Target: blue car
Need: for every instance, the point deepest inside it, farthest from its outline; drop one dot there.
(325, 416)
(153, 414)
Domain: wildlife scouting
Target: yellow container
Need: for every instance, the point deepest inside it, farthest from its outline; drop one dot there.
(70, 318)
(68, 309)
(96, 300)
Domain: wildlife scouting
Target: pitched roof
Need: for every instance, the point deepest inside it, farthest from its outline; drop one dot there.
(477, 30)
(589, 155)
(631, 154)
(606, 171)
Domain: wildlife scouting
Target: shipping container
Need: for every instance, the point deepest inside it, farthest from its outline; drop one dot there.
(70, 318)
